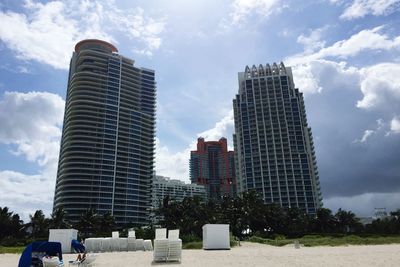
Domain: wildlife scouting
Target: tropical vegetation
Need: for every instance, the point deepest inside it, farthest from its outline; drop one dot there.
(248, 216)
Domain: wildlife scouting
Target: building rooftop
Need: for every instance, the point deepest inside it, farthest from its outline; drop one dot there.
(95, 42)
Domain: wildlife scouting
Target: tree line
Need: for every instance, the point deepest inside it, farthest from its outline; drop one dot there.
(247, 216)
(13, 231)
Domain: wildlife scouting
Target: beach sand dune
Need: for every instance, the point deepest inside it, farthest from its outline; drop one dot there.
(252, 254)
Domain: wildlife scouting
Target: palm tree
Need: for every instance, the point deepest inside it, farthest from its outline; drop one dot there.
(231, 212)
(194, 215)
(88, 222)
(10, 224)
(396, 214)
(38, 224)
(58, 219)
(324, 222)
(107, 223)
(276, 220)
(5, 222)
(297, 222)
(347, 221)
(252, 211)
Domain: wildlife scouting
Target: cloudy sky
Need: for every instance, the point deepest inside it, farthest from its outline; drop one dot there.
(345, 57)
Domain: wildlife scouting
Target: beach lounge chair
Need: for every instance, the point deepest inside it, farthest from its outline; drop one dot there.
(132, 234)
(174, 246)
(96, 244)
(89, 244)
(131, 240)
(114, 245)
(139, 244)
(160, 245)
(105, 244)
(52, 262)
(115, 234)
(123, 244)
(148, 246)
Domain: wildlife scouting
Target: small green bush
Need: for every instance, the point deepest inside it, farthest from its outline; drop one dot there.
(193, 245)
(273, 242)
(232, 240)
(280, 237)
(190, 238)
(13, 250)
(334, 240)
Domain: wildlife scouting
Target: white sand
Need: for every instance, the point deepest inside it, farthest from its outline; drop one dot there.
(251, 254)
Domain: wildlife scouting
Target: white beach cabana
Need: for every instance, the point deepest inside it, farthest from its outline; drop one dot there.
(216, 236)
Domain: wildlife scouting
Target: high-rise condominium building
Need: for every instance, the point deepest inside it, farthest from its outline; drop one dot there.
(107, 146)
(273, 143)
(213, 166)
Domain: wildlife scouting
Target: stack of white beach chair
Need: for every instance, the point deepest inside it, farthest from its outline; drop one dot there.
(167, 249)
(116, 243)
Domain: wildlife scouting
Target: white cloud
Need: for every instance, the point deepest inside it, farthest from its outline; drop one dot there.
(369, 201)
(380, 126)
(361, 8)
(311, 77)
(176, 165)
(25, 194)
(243, 9)
(48, 32)
(380, 85)
(221, 129)
(23, 69)
(312, 41)
(15, 69)
(31, 122)
(395, 125)
(305, 79)
(367, 133)
(369, 39)
(365, 40)
(30, 116)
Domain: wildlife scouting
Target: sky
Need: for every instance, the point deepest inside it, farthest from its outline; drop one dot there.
(345, 57)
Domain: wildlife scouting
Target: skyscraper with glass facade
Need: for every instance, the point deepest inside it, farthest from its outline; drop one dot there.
(213, 166)
(273, 143)
(107, 146)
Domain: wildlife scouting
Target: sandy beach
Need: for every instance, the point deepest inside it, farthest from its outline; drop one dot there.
(252, 254)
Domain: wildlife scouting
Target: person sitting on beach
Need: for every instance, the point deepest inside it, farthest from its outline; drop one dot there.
(81, 257)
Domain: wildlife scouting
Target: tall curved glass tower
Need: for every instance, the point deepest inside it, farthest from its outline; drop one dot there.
(107, 146)
(273, 142)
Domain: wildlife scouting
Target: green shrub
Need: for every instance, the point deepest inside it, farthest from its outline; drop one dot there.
(334, 240)
(193, 245)
(232, 241)
(273, 242)
(280, 237)
(190, 238)
(311, 241)
(13, 250)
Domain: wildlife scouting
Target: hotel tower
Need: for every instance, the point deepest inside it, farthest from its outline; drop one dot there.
(273, 144)
(213, 166)
(107, 146)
